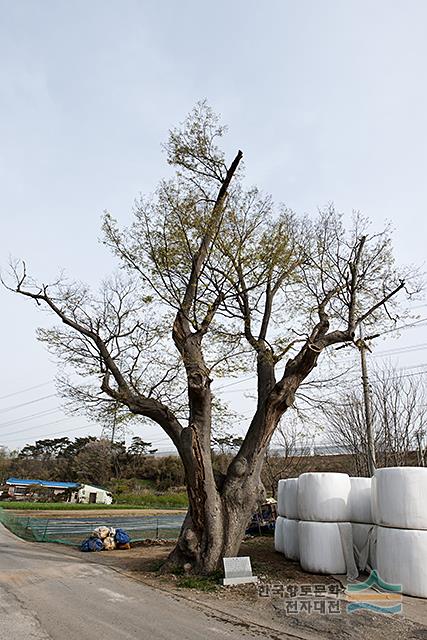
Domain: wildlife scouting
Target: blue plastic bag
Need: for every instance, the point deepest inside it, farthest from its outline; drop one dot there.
(85, 545)
(121, 537)
(95, 544)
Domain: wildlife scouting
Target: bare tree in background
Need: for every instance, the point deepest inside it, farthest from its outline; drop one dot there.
(346, 428)
(216, 281)
(400, 411)
(399, 404)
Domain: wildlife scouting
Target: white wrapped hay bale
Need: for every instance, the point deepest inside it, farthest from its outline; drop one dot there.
(364, 541)
(323, 497)
(286, 538)
(399, 497)
(402, 559)
(287, 494)
(359, 500)
(278, 534)
(320, 547)
(290, 539)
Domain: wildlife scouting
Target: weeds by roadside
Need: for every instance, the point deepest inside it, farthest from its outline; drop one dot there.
(201, 583)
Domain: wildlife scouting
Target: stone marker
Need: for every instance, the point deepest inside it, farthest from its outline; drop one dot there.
(238, 571)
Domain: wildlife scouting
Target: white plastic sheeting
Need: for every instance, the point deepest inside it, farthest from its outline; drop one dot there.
(399, 497)
(364, 541)
(346, 534)
(323, 497)
(360, 534)
(287, 505)
(320, 547)
(402, 559)
(359, 500)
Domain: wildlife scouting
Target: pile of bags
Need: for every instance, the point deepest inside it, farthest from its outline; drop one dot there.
(106, 539)
(335, 524)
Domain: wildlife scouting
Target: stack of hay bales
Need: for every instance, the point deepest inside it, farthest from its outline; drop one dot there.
(286, 529)
(362, 526)
(324, 530)
(399, 505)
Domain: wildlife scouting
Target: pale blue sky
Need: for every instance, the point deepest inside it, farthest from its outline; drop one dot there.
(327, 99)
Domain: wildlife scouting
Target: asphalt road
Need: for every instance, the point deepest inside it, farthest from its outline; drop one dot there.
(45, 595)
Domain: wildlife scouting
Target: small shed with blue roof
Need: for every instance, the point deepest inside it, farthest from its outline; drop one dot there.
(74, 492)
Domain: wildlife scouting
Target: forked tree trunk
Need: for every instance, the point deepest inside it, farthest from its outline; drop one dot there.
(214, 526)
(219, 508)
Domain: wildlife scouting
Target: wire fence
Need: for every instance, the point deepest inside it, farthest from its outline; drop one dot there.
(72, 531)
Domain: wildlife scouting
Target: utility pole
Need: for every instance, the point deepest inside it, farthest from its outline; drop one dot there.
(363, 347)
(113, 430)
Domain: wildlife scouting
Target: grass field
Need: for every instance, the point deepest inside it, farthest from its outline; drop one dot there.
(148, 501)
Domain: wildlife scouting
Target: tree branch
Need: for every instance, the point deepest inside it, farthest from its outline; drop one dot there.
(137, 403)
(201, 254)
(381, 302)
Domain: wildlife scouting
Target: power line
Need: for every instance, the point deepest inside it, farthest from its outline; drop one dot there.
(16, 393)
(405, 326)
(87, 426)
(419, 306)
(231, 384)
(57, 433)
(401, 350)
(241, 390)
(39, 414)
(410, 375)
(24, 404)
(413, 366)
(38, 426)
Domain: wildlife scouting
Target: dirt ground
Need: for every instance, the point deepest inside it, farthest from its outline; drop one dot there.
(252, 604)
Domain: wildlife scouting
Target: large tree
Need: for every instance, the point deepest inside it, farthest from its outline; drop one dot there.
(216, 280)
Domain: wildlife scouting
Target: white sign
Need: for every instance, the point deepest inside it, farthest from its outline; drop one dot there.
(238, 571)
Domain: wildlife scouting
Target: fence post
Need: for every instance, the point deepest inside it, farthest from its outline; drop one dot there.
(157, 529)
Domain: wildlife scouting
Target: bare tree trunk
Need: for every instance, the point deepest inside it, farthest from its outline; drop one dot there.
(219, 511)
(215, 524)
